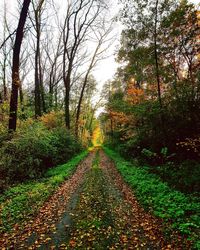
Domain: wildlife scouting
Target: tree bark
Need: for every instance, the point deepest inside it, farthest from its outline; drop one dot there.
(39, 89)
(15, 67)
(38, 111)
(81, 99)
(67, 99)
(5, 54)
(156, 54)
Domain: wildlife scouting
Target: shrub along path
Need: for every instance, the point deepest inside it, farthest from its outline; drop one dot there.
(94, 209)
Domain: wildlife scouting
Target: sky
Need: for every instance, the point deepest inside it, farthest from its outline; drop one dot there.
(108, 67)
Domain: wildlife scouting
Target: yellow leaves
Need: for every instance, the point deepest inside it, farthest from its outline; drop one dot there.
(47, 239)
(63, 246)
(198, 17)
(97, 138)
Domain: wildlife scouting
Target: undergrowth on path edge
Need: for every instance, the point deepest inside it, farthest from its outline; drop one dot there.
(19, 203)
(178, 211)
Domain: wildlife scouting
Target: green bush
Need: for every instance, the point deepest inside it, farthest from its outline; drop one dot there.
(32, 150)
(175, 208)
(65, 145)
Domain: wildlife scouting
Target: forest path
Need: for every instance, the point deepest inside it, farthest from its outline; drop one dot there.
(94, 209)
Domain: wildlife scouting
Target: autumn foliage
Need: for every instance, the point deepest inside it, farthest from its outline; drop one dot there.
(152, 112)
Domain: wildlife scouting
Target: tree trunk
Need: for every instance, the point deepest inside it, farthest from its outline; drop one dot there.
(38, 111)
(21, 97)
(5, 54)
(1, 100)
(156, 55)
(5, 91)
(42, 92)
(15, 67)
(51, 92)
(162, 118)
(79, 106)
(67, 96)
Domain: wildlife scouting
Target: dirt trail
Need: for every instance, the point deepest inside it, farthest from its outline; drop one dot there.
(94, 209)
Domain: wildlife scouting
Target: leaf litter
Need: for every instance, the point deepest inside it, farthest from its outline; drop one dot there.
(94, 209)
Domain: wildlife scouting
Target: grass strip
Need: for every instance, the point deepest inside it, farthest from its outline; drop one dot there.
(179, 211)
(20, 203)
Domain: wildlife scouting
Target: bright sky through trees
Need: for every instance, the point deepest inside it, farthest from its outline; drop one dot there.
(107, 68)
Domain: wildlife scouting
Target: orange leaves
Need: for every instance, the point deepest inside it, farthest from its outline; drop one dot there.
(122, 122)
(53, 119)
(135, 92)
(119, 117)
(134, 95)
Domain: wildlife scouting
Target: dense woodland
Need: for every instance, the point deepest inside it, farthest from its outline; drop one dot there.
(49, 95)
(153, 103)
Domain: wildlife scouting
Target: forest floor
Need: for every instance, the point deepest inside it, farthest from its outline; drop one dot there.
(94, 209)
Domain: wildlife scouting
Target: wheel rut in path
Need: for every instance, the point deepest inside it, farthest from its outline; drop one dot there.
(94, 209)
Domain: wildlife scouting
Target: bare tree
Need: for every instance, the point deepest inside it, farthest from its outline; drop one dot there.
(81, 15)
(54, 71)
(101, 37)
(5, 54)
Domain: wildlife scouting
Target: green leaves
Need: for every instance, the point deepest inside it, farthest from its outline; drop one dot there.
(34, 149)
(178, 210)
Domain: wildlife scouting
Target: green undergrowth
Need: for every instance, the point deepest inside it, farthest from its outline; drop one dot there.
(179, 211)
(19, 203)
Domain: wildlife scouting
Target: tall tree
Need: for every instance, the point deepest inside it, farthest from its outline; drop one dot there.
(15, 66)
(39, 88)
(5, 92)
(6, 49)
